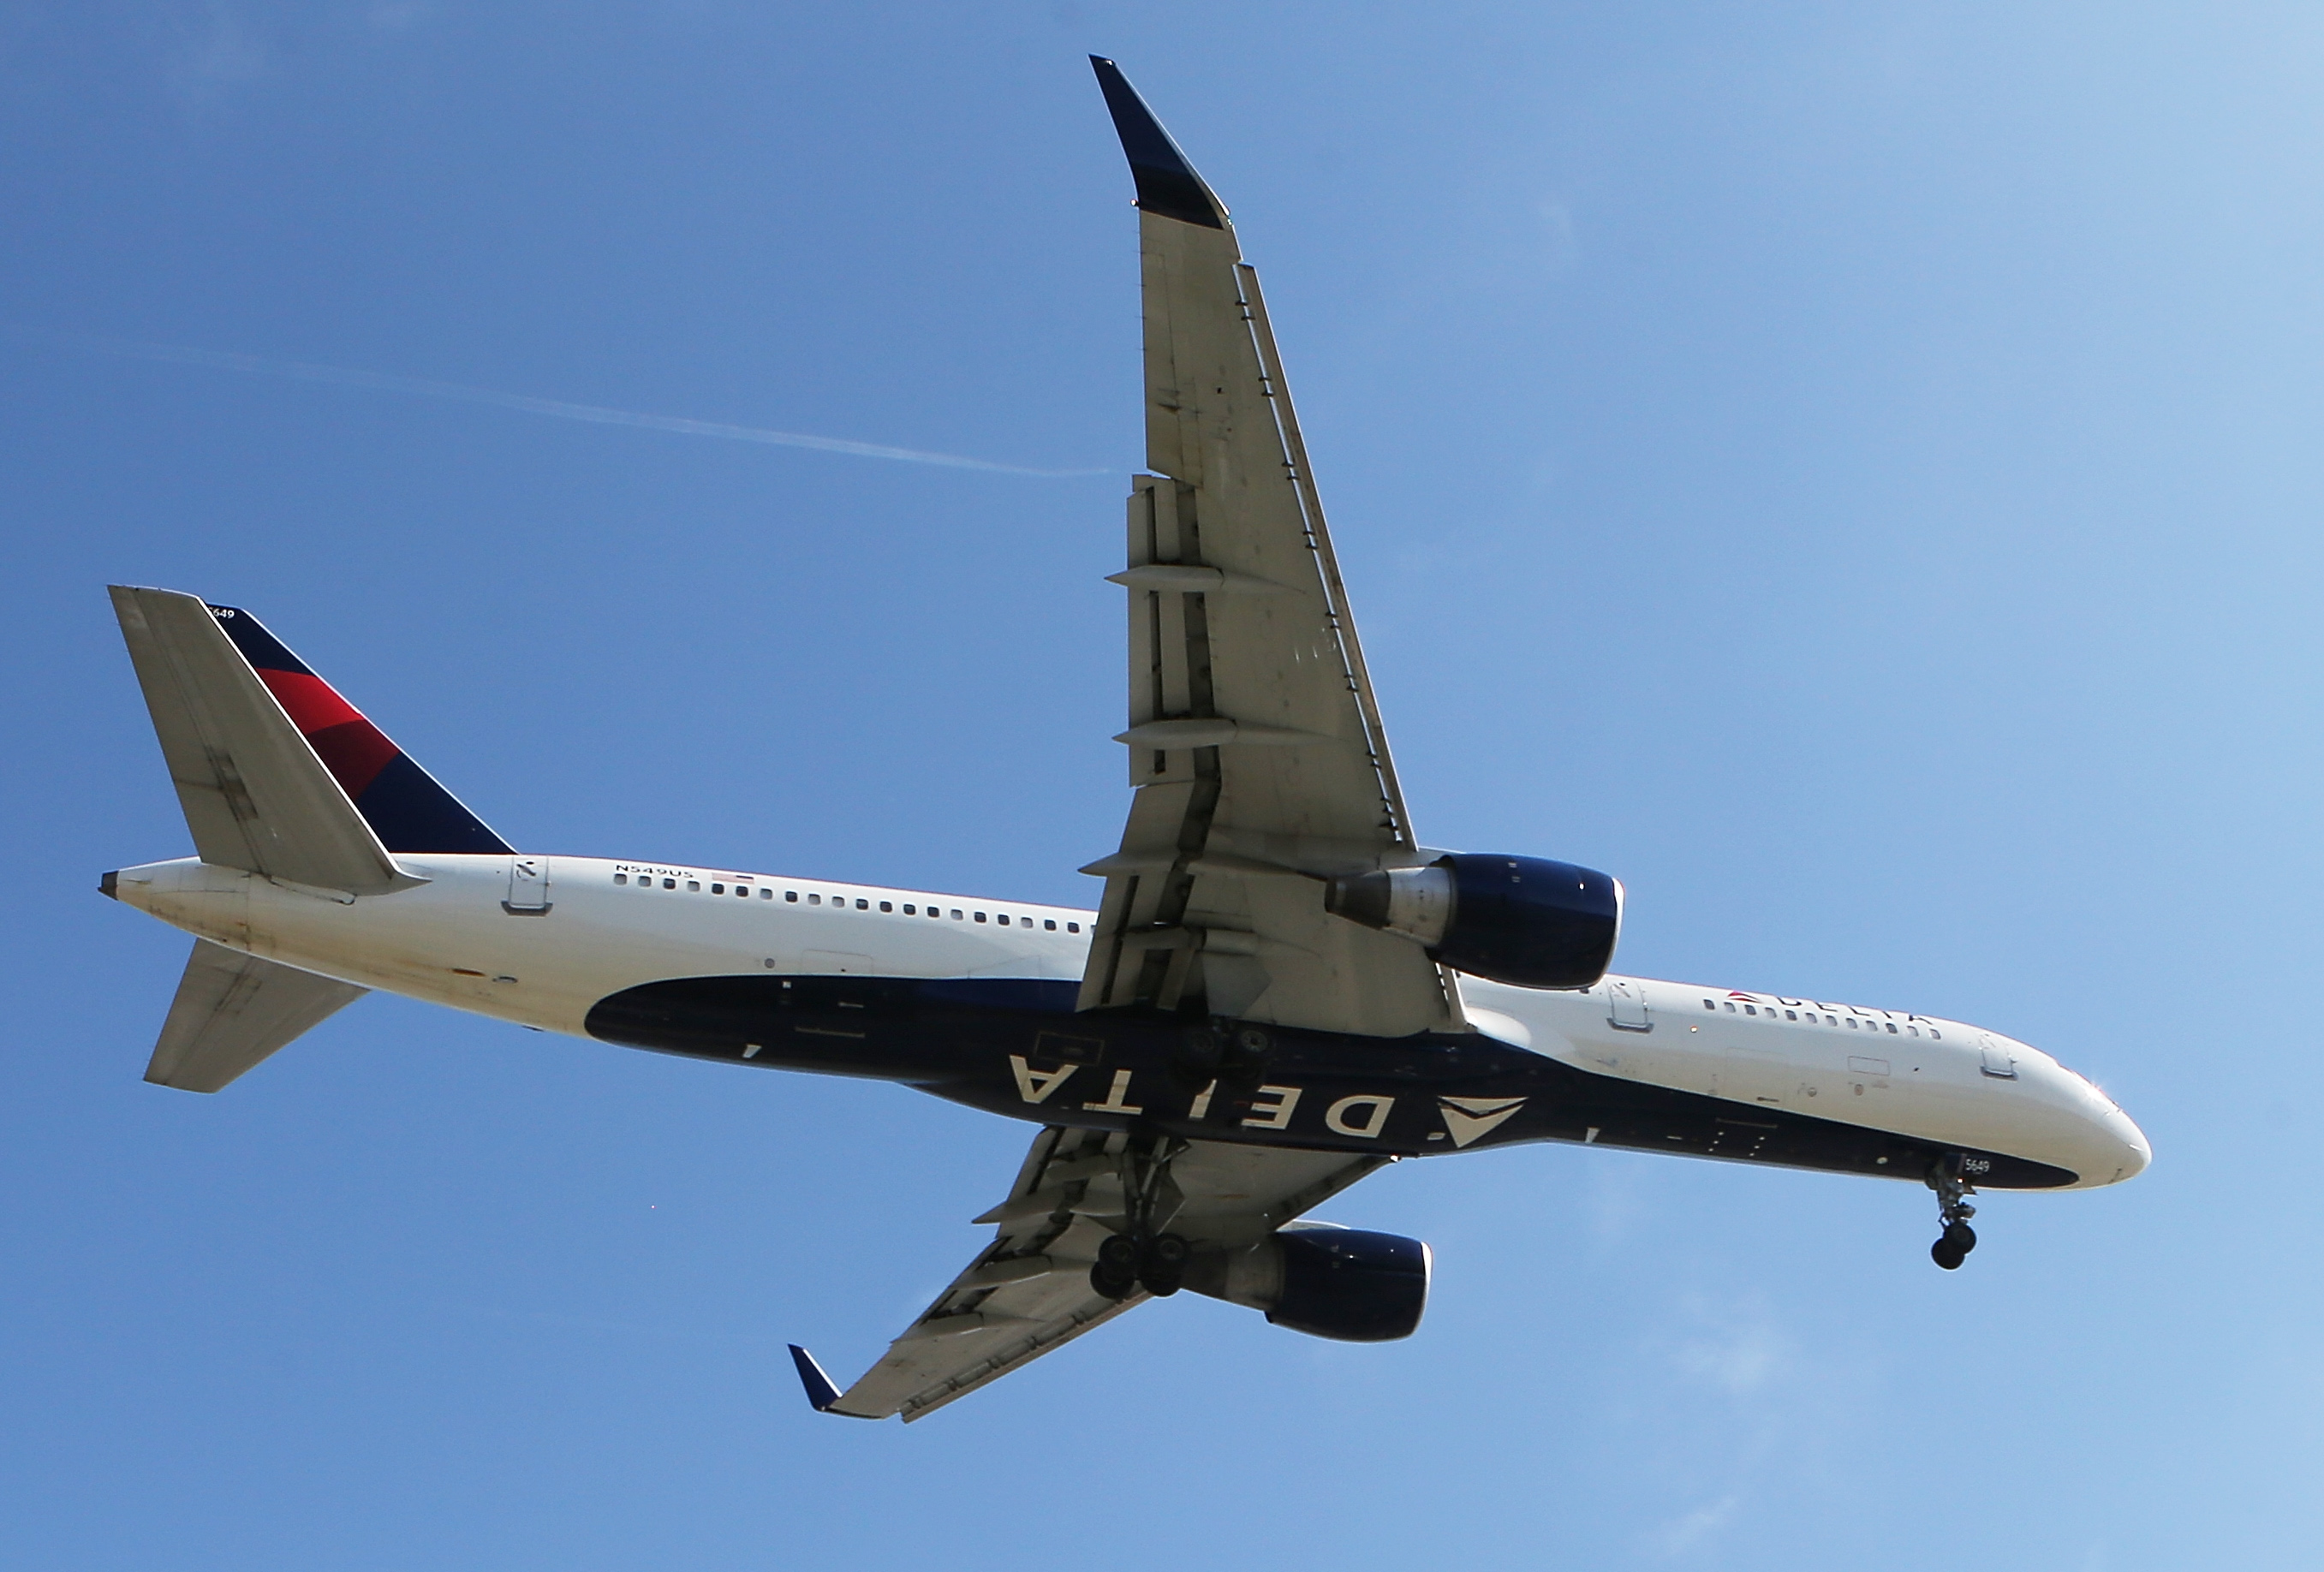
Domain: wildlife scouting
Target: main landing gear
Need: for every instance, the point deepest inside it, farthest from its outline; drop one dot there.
(1124, 1265)
(1954, 1211)
(1141, 1255)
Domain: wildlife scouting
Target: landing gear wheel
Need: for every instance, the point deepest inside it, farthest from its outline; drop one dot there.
(1115, 1273)
(1953, 1210)
(1243, 1058)
(1200, 1052)
(1164, 1267)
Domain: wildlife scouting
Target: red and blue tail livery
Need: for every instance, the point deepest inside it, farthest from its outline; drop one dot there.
(406, 807)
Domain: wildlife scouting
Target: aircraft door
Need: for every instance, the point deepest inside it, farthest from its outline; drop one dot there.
(1626, 1004)
(528, 888)
(1995, 1059)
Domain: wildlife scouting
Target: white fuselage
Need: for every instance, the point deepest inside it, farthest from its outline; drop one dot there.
(541, 952)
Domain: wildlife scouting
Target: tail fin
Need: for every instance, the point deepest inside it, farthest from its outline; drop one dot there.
(277, 774)
(405, 806)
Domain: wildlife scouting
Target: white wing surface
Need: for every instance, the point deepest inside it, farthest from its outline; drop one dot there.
(1255, 745)
(1029, 1290)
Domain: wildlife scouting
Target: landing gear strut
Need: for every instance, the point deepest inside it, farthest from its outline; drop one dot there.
(1954, 1211)
(1140, 1256)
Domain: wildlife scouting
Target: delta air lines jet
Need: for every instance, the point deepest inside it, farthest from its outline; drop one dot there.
(1282, 989)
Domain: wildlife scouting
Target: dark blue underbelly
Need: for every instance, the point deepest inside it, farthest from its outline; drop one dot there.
(1016, 1047)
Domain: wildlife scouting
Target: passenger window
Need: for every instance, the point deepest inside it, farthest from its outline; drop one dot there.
(1072, 927)
(766, 892)
(1730, 1007)
(621, 878)
(861, 905)
(1892, 1029)
(1934, 1032)
(1709, 1006)
(1749, 1010)
(980, 916)
(1050, 924)
(695, 885)
(955, 916)
(815, 900)
(1791, 1015)
(1912, 1031)
(716, 889)
(910, 910)
(887, 905)
(792, 896)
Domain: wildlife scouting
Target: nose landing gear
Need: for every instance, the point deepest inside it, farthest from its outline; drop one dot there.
(1954, 1211)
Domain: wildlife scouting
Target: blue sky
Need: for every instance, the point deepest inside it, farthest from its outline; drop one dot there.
(1850, 470)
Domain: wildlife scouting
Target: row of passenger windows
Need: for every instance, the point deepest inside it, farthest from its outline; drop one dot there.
(1811, 1018)
(911, 908)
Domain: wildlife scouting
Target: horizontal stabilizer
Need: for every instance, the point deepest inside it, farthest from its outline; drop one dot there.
(255, 794)
(233, 1010)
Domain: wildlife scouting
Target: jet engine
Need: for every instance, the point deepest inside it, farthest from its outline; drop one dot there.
(1520, 920)
(1327, 1282)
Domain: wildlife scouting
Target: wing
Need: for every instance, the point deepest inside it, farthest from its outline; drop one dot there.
(1029, 1290)
(1255, 745)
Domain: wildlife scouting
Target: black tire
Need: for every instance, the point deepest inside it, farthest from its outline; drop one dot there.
(1245, 1058)
(1198, 1060)
(1947, 1254)
(1107, 1285)
(1164, 1269)
(1962, 1236)
(1118, 1253)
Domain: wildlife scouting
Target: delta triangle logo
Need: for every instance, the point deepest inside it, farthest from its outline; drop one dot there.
(1471, 1118)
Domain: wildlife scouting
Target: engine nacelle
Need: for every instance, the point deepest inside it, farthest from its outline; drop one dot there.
(1521, 920)
(1343, 1284)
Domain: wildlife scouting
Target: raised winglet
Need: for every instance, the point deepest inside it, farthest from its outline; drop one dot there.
(1167, 184)
(820, 1392)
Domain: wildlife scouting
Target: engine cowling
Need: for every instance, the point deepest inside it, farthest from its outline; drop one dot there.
(1520, 920)
(1343, 1283)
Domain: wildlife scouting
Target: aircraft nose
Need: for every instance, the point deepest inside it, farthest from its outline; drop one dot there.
(2107, 1144)
(2133, 1152)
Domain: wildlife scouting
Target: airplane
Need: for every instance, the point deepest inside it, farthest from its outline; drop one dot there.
(1281, 991)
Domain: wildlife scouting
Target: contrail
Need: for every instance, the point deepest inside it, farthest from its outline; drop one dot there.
(382, 381)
